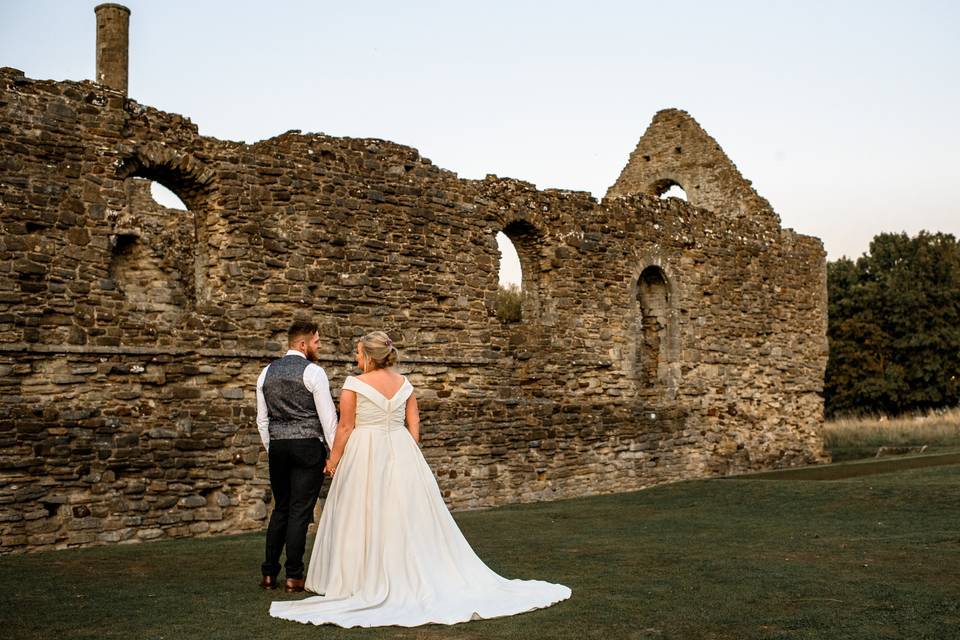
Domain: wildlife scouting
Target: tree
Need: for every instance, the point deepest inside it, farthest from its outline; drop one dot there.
(509, 303)
(894, 326)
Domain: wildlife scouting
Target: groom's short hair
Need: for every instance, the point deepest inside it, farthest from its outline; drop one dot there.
(301, 329)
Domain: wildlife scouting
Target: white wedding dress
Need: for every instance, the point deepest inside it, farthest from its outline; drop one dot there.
(387, 550)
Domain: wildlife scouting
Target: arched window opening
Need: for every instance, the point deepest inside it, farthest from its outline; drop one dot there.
(518, 245)
(169, 195)
(153, 265)
(668, 188)
(166, 198)
(510, 271)
(675, 191)
(653, 294)
(509, 294)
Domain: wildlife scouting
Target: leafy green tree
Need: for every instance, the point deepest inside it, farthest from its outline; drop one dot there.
(894, 326)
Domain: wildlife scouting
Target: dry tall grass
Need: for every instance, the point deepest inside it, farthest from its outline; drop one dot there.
(858, 437)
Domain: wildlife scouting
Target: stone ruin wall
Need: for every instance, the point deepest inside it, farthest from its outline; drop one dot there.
(660, 341)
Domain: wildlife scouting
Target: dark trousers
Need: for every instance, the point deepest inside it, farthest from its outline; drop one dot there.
(296, 475)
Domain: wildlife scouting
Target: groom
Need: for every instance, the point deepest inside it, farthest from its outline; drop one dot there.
(297, 422)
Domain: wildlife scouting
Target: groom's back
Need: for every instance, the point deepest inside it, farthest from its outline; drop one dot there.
(290, 405)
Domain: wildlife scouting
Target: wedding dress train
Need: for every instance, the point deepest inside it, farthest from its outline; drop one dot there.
(387, 550)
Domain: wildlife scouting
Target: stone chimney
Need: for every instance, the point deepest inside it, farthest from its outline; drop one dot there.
(113, 29)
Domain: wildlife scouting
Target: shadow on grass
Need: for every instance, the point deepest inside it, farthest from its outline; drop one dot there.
(869, 557)
(855, 468)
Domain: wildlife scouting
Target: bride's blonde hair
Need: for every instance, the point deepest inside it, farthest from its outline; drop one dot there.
(379, 349)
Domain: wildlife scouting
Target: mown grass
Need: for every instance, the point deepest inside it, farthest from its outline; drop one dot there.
(862, 558)
(858, 437)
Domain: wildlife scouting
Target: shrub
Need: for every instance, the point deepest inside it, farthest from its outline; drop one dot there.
(509, 303)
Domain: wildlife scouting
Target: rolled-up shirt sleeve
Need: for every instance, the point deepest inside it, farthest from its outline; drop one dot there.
(263, 416)
(315, 379)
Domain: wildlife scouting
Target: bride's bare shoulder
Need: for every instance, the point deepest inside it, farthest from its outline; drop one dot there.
(380, 374)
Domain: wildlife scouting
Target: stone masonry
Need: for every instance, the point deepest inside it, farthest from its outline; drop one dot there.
(660, 339)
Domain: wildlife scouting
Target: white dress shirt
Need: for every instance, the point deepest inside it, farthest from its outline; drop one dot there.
(316, 382)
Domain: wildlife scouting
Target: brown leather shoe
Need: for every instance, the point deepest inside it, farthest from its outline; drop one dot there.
(294, 585)
(268, 582)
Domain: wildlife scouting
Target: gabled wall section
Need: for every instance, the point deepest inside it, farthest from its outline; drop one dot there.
(675, 150)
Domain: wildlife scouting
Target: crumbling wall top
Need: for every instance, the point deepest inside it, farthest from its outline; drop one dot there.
(675, 150)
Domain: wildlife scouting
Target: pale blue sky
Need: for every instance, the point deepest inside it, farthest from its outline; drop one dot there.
(843, 114)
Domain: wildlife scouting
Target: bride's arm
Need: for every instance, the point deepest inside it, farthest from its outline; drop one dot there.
(413, 418)
(348, 420)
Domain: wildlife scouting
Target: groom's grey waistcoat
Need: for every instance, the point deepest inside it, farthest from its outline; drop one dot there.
(290, 405)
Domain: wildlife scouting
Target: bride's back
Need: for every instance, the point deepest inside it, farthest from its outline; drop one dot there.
(376, 409)
(386, 381)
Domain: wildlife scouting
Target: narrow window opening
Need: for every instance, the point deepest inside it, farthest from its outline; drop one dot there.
(518, 272)
(510, 292)
(510, 271)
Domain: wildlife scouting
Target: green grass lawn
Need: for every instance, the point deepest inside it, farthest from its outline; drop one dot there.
(870, 557)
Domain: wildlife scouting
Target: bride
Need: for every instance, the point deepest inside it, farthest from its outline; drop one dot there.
(387, 550)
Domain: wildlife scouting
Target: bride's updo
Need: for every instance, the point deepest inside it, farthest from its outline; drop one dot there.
(378, 347)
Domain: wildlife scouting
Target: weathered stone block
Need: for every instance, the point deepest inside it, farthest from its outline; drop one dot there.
(199, 527)
(149, 534)
(47, 539)
(190, 502)
(208, 513)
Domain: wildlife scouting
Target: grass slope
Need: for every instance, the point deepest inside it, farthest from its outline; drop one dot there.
(870, 557)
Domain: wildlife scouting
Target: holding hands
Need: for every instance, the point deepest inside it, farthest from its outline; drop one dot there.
(330, 467)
